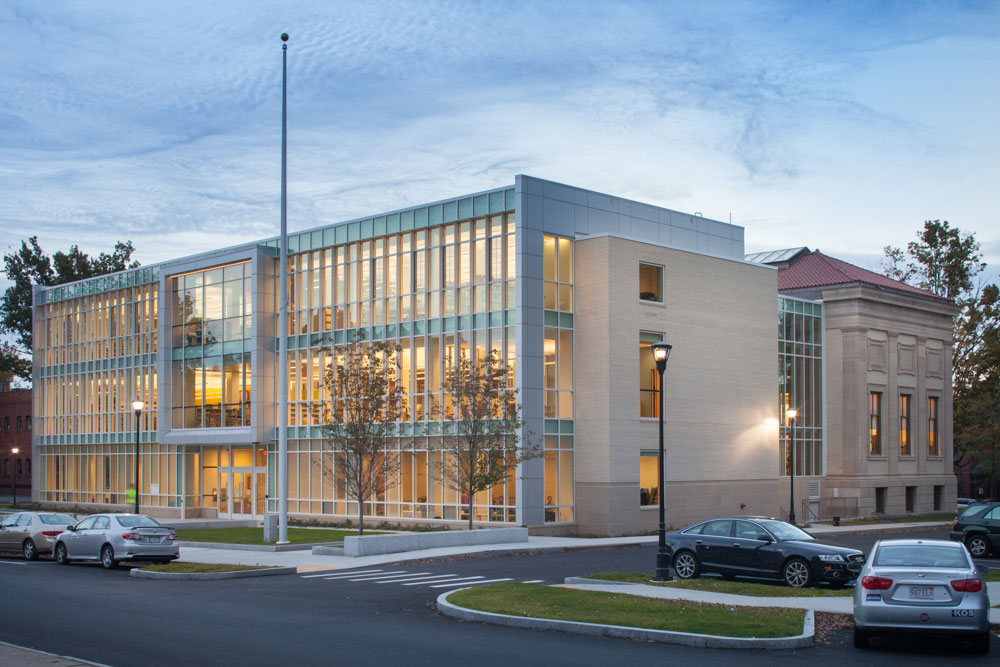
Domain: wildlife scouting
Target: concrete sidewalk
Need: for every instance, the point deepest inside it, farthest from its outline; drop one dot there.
(11, 654)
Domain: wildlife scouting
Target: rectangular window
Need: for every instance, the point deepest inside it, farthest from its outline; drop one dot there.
(649, 378)
(904, 425)
(911, 499)
(875, 423)
(651, 283)
(880, 492)
(938, 495)
(933, 448)
(649, 479)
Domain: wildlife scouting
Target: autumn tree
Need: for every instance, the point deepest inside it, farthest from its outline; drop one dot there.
(487, 442)
(30, 265)
(366, 401)
(948, 262)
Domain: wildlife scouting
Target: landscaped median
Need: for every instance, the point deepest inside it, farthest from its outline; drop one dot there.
(630, 616)
(247, 538)
(181, 570)
(720, 585)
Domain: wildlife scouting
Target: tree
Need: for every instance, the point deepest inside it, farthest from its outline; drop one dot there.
(30, 265)
(365, 403)
(947, 262)
(486, 445)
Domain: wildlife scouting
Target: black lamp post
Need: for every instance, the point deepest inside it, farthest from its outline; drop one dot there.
(137, 405)
(791, 414)
(13, 471)
(661, 351)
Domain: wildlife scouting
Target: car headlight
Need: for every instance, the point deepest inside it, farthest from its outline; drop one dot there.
(831, 558)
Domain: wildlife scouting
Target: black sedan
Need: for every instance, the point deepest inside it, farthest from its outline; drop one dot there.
(757, 547)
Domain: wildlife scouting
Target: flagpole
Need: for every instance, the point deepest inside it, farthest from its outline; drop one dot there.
(283, 316)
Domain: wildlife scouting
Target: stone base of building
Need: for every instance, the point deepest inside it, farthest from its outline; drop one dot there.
(862, 497)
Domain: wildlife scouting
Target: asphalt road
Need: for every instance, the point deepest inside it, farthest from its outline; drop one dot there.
(108, 617)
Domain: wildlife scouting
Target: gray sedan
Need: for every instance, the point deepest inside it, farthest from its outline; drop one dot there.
(32, 533)
(111, 538)
(925, 586)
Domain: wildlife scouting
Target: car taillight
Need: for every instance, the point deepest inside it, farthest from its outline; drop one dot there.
(51, 533)
(132, 536)
(171, 536)
(876, 583)
(967, 585)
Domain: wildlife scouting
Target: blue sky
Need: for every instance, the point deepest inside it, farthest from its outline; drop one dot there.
(837, 125)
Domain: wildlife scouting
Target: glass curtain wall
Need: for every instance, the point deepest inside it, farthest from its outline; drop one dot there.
(800, 384)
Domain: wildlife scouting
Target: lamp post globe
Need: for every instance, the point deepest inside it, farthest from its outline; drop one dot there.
(661, 352)
(137, 406)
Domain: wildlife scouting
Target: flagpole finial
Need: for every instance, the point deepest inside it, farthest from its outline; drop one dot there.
(284, 36)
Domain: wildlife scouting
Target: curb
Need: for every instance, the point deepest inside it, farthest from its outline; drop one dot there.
(805, 640)
(203, 576)
(254, 547)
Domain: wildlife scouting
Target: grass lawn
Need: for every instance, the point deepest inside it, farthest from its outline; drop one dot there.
(181, 566)
(248, 535)
(566, 604)
(910, 518)
(992, 575)
(719, 585)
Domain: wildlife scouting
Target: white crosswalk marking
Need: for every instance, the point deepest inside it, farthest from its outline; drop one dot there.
(470, 583)
(384, 579)
(327, 575)
(449, 577)
(366, 577)
(533, 581)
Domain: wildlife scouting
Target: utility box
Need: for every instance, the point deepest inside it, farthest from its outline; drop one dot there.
(270, 528)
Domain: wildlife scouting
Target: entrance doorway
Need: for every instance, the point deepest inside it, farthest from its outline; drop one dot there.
(241, 492)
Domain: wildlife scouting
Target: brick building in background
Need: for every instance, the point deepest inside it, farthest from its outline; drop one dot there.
(15, 433)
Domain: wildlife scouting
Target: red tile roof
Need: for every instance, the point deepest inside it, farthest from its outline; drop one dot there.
(814, 269)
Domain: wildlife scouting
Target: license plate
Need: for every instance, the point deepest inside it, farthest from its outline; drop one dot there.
(152, 539)
(921, 592)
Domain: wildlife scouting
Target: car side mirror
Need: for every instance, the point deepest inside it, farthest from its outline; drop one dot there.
(764, 537)
(71, 528)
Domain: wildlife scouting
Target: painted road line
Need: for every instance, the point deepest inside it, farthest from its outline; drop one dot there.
(471, 583)
(418, 579)
(395, 577)
(534, 581)
(347, 574)
(374, 576)
(12, 562)
(450, 577)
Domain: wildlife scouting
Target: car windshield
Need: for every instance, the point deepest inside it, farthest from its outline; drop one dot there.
(56, 519)
(137, 521)
(785, 531)
(920, 556)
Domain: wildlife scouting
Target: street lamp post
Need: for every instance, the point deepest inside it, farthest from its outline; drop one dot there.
(13, 471)
(791, 414)
(661, 351)
(137, 406)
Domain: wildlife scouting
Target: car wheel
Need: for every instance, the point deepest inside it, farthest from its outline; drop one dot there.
(62, 557)
(108, 557)
(30, 550)
(977, 544)
(861, 638)
(686, 565)
(981, 643)
(796, 573)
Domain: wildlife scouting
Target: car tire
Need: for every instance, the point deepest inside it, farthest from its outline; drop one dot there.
(981, 643)
(978, 545)
(861, 638)
(30, 550)
(108, 557)
(796, 573)
(62, 557)
(686, 565)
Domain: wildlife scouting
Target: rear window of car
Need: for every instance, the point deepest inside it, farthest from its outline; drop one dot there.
(56, 519)
(920, 556)
(137, 521)
(974, 510)
(694, 530)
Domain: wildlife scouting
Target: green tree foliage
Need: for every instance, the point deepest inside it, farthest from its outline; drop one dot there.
(486, 445)
(948, 262)
(365, 403)
(30, 265)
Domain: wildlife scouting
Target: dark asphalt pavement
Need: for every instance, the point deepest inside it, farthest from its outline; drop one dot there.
(108, 617)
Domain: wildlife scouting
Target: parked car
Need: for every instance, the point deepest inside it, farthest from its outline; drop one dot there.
(978, 527)
(925, 586)
(962, 503)
(760, 547)
(111, 538)
(32, 533)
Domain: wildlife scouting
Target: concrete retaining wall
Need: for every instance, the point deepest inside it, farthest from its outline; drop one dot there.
(373, 545)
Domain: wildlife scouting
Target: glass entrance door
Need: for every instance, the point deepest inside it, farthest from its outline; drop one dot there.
(241, 492)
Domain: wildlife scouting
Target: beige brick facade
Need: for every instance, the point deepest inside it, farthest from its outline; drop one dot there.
(720, 403)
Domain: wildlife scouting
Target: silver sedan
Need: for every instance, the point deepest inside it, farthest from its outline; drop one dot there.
(926, 586)
(32, 533)
(111, 538)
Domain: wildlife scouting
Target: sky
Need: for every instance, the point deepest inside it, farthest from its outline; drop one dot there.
(838, 125)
